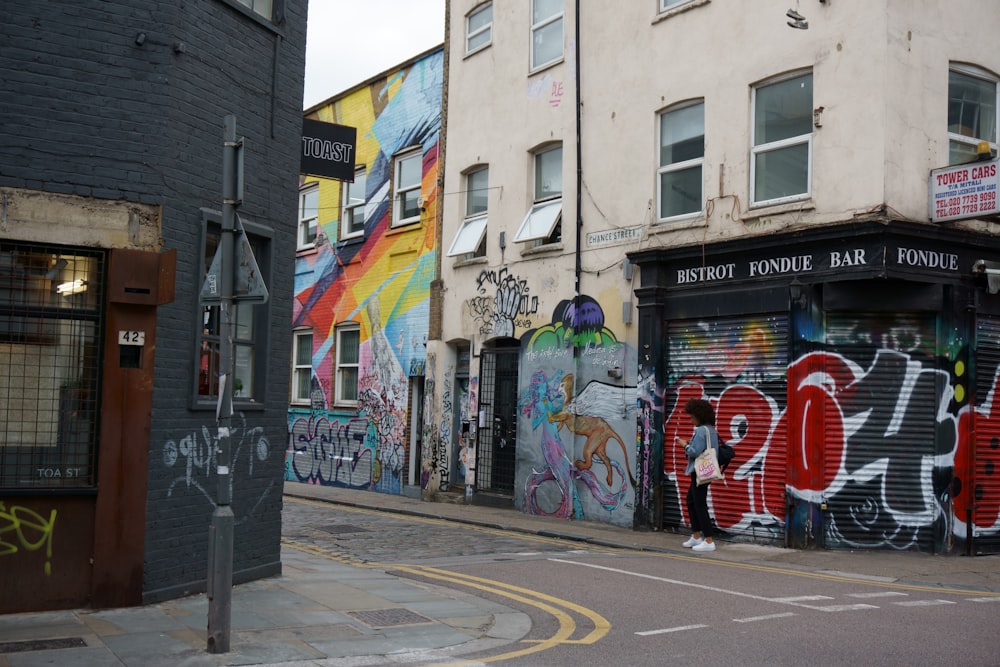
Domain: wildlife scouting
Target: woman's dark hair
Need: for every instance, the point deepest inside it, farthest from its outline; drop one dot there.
(701, 410)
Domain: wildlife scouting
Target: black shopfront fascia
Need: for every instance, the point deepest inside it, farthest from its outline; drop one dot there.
(875, 266)
(869, 266)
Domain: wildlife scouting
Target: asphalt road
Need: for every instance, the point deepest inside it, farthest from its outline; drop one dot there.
(591, 605)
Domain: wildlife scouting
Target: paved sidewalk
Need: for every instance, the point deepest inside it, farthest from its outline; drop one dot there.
(320, 612)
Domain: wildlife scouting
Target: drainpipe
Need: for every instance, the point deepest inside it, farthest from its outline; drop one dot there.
(577, 269)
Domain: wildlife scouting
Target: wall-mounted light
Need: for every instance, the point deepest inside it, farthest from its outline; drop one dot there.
(72, 287)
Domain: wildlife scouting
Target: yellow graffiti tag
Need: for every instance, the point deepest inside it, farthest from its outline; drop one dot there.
(26, 529)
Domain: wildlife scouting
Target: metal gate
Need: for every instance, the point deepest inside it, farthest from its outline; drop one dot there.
(496, 447)
(741, 363)
(880, 430)
(984, 493)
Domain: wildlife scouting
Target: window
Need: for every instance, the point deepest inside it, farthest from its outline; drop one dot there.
(407, 188)
(479, 28)
(546, 32)
(249, 319)
(669, 4)
(972, 113)
(682, 149)
(542, 224)
(51, 319)
(302, 341)
(262, 7)
(308, 216)
(471, 238)
(354, 206)
(781, 158)
(348, 354)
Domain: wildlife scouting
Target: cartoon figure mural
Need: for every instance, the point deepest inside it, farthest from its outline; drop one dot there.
(374, 281)
(566, 467)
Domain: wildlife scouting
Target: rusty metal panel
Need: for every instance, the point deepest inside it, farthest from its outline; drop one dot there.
(45, 547)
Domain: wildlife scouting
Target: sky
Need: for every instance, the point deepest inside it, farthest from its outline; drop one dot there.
(348, 41)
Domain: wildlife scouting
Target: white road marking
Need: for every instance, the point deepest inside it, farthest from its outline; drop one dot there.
(802, 598)
(997, 599)
(681, 628)
(841, 607)
(879, 594)
(764, 618)
(923, 603)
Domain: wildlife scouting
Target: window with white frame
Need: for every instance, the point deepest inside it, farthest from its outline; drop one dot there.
(348, 355)
(679, 182)
(546, 32)
(262, 7)
(406, 186)
(302, 340)
(972, 112)
(543, 223)
(670, 4)
(308, 216)
(471, 238)
(781, 157)
(353, 218)
(479, 28)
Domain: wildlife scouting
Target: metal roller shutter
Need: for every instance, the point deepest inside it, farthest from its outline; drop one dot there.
(879, 431)
(985, 480)
(741, 364)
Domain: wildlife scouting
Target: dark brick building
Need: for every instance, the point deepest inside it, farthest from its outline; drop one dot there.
(111, 151)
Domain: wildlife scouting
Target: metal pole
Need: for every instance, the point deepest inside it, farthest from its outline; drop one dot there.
(220, 549)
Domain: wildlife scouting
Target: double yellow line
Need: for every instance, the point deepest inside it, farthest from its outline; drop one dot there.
(554, 606)
(561, 610)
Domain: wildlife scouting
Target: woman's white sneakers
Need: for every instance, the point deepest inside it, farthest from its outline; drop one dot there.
(692, 542)
(704, 546)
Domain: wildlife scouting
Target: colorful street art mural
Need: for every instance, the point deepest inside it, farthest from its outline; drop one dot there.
(576, 452)
(380, 281)
(862, 444)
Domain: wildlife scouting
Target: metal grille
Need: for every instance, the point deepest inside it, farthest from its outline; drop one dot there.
(747, 356)
(983, 490)
(496, 449)
(51, 321)
(880, 430)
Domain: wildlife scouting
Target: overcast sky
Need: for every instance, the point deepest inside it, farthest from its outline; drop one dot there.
(349, 41)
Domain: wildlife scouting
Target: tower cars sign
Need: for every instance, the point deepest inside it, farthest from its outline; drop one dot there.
(964, 191)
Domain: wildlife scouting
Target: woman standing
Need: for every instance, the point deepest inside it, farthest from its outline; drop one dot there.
(703, 417)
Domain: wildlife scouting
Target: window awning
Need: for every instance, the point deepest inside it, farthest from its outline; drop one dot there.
(540, 221)
(469, 236)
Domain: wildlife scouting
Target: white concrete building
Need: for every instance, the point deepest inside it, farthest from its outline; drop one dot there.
(766, 168)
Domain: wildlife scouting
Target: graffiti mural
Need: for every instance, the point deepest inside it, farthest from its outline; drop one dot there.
(859, 450)
(377, 278)
(196, 454)
(504, 303)
(575, 463)
(342, 452)
(23, 529)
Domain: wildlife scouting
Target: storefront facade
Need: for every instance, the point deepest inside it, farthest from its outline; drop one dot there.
(852, 367)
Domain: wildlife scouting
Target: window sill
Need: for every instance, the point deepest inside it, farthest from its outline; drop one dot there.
(674, 11)
(768, 210)
(478, 49)
(403, 227)
(547, 66)
(691, 221)
(239, 405)
(475, 261)
(543, 249)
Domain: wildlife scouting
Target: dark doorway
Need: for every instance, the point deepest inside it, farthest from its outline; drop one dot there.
(497, 446)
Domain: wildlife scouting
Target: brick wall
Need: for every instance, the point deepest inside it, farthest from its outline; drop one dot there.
(87, 109)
